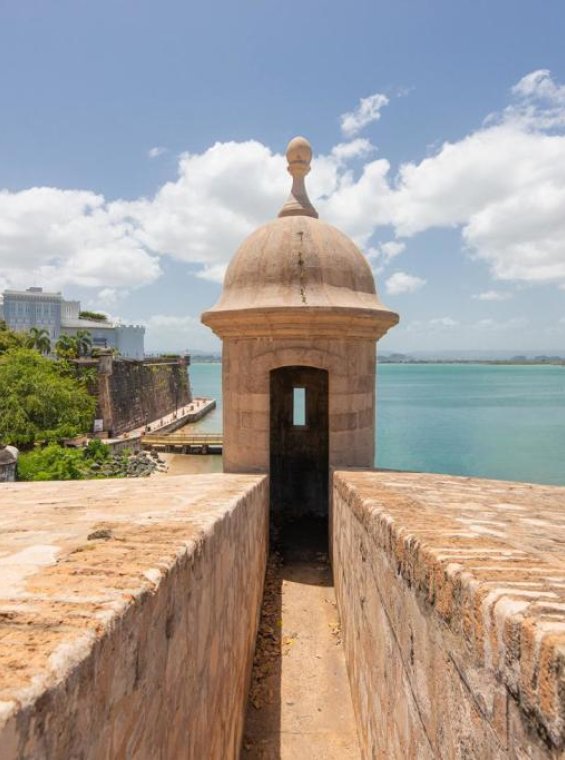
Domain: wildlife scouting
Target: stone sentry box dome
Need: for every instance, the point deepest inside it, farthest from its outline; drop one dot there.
(299, 318)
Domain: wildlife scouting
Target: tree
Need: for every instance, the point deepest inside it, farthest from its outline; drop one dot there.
(39, 339)
(84, 342)
(10, 339)
(39, 401)
(66, 347)
(74, 346)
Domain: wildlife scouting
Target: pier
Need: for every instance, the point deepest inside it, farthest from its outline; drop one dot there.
(184, 442)
(162, 429)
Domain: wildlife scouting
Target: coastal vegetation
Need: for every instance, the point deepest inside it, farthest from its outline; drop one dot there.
(95, 460)
(41, 400)
(53, 462)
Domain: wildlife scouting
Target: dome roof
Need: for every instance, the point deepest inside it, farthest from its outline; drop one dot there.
(299, 265)
(301, 262)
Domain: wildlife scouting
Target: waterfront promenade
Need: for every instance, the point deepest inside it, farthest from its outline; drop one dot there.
(187, 414)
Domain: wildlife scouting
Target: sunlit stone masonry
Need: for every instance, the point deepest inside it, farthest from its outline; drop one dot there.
(129, 609)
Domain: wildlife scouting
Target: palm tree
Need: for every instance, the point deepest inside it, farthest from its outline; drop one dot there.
(39, 339)
(84, 342)
(66, 347)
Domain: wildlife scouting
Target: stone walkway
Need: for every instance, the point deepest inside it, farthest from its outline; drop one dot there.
(300, 703)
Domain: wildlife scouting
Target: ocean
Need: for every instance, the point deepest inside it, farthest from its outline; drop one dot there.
(494, 421)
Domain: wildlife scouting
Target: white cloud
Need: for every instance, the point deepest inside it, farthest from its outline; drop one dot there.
(109, 297)
(368, 110)
(540, 102)
(400, 282)
(214, 273)
(392, 248)
(54, 237)
(493, 295)
(353, 149)
(384, 253)
(502, 186)
(157, 151)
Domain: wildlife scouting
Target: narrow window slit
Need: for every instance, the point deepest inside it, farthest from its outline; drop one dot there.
(299, 407)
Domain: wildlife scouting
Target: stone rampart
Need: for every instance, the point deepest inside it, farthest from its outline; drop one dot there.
(131, 393)
(128, 615)
(452, 598)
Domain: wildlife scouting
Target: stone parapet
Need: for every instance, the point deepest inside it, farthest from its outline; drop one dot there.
(128, 615)
(452, 598)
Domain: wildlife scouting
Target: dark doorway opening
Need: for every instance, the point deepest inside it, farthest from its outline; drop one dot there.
(299, 455)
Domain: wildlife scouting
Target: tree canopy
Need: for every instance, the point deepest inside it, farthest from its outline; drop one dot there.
(40, 400)
(10, 339)
(74, 346)
(38, 337)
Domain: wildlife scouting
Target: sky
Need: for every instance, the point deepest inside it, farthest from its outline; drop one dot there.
(141, 142)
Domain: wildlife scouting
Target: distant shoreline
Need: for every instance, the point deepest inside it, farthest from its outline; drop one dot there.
(510, 362)
(386, 360)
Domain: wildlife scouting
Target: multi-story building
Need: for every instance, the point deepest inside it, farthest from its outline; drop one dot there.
(34, 307)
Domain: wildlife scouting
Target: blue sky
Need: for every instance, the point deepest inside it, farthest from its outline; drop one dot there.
(140, 142)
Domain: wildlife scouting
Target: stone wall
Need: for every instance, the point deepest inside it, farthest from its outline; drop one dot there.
(128, 615)
(7, 472)
(131, 393)
(451, 593)
(8, 463)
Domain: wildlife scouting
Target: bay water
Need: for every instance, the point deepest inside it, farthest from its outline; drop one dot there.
(494, 421)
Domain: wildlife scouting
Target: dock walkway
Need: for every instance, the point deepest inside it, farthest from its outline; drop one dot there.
(182, 416)
(185, 442)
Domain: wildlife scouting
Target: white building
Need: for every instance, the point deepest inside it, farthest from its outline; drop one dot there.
(34, 307)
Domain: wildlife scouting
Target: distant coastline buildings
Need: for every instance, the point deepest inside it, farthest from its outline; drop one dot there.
(34, 307)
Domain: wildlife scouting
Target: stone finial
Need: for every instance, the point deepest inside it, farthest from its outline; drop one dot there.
(299, 156)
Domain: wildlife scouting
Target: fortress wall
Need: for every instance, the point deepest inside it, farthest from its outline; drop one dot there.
(128, 615)
(130, 393)
(452, 599)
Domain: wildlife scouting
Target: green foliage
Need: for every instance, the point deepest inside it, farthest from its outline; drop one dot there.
(95, 316)
(97, 451)
(84, 342)
(39, 401)
(70, 347)
(39, 339)
(10, 339)
(66, 347)
(51, 462)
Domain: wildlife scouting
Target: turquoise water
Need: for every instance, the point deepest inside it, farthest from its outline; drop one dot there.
(496, 421)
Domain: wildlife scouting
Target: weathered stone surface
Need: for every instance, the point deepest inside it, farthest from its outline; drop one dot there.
(246, 390)
(128, 612)
(130, 393)
(452, 598)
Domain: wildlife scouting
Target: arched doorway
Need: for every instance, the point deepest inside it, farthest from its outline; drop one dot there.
(299, 443)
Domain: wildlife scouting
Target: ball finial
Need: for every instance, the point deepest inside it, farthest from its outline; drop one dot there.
(299, 157)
